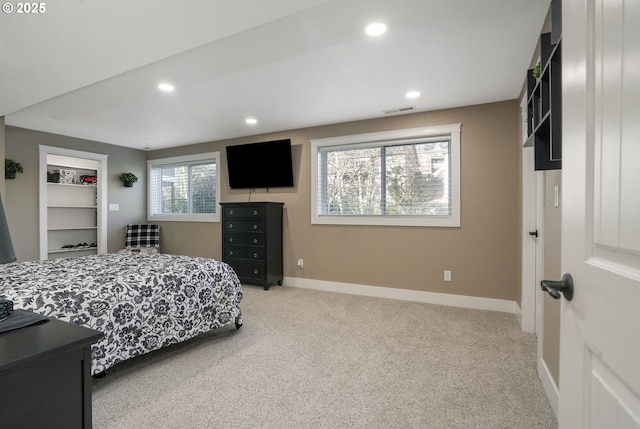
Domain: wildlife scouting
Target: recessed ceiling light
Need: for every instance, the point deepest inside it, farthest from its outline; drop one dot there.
(375, 29)
(413, 94)
(167, 87)
(251, 121)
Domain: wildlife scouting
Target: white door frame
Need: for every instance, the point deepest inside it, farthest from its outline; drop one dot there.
(532, 302)
(529, 248)
(532, 247)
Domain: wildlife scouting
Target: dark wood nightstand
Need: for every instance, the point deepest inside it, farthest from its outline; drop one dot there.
(45, 376)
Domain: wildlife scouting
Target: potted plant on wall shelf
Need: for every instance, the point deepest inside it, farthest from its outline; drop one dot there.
(536, 71)
(12, 167)
(128, 179)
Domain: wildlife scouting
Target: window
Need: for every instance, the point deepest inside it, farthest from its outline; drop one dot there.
(407, 177)
(184, 188)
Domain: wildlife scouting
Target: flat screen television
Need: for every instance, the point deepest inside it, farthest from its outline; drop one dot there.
(260, 165)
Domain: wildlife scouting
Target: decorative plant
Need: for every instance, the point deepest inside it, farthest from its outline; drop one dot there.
(536, 71)
(12, 167)
(128, 179)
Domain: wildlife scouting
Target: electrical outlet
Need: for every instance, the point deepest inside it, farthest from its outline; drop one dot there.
(300, 263)
(447, 276)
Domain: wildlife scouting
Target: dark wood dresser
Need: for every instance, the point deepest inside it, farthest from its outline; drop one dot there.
(252, 241)
(45, 376)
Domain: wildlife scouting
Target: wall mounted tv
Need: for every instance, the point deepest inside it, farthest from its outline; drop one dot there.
(260, 165)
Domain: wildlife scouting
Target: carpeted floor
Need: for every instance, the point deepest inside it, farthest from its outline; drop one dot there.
(312, 359)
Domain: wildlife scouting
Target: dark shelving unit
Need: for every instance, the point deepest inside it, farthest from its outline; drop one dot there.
(544, 99)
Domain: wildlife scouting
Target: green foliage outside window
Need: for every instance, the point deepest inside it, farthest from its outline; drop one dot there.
(395, 180)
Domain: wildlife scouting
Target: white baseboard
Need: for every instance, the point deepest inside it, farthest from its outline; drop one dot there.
(549, 386)
(518, 312)
(479, 303)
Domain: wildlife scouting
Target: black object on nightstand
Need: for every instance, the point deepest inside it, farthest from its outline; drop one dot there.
(252, 241)
(6, 308)
(45, 375)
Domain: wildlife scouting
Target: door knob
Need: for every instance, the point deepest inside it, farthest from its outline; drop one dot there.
(555, 288)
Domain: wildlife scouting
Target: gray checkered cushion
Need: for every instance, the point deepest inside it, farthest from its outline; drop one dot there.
(142, 236)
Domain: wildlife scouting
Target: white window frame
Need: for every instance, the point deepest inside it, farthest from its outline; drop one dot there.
(451, 131)
(185, 159)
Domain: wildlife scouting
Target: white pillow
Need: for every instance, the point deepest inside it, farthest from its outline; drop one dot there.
(138, 250)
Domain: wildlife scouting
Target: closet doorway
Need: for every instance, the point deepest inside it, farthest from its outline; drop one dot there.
(73, 210)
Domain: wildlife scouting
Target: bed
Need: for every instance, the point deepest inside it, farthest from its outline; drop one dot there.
(141, 302)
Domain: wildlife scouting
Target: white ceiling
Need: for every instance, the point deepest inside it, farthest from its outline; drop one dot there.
(90, 68)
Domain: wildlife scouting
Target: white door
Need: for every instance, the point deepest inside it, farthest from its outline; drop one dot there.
(600, 338)
(530, 232)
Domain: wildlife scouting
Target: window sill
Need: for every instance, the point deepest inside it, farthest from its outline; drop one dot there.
(209, 217)
(434, 221)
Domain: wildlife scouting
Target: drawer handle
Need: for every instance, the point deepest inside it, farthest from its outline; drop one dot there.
(230, 212)
(230, 252)
(255, 255)
(255, 241)
(255, 226)
(230, 225)
(230, 239)
(255, 212)
(255, 271)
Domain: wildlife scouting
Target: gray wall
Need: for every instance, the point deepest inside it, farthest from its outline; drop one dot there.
(2, 185)
(414, 258)
(483, 254)
(22, 200)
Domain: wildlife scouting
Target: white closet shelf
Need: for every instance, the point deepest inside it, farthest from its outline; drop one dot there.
(79, 249)
(70, 228)
(71, 184)
(56, 206)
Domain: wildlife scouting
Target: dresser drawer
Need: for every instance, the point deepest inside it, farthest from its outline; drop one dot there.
(248, 270)
(239, 212)
(244, 225)
(243, 252)
(244, 239)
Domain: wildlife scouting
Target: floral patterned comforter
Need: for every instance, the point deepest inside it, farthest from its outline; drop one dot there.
(141, 302)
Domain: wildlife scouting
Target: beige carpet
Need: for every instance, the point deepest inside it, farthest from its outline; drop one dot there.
(311, 359)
